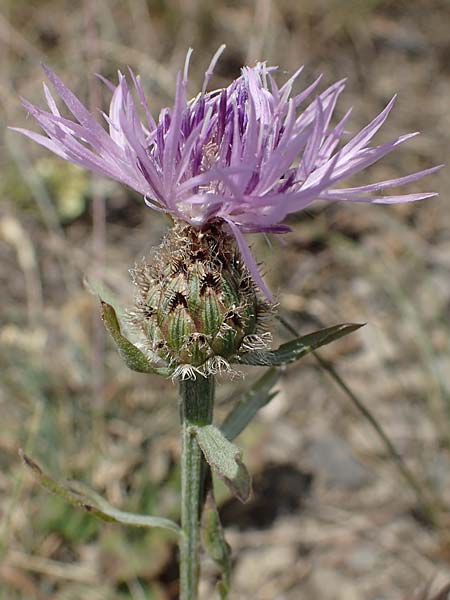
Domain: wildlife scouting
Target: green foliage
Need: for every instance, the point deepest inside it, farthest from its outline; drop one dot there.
(225, 460)
(296, 349)
(134, 358)
(81, 496)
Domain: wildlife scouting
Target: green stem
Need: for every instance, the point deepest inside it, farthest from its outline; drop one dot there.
(196, 408)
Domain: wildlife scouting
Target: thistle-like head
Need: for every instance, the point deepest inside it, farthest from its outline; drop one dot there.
(197, 305)
(246, 155)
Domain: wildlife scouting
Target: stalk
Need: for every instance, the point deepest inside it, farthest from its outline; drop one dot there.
(196, 409)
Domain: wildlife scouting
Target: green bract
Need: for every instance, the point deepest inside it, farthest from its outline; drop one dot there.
(197, 306)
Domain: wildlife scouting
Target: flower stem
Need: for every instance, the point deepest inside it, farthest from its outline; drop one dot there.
(196, 409)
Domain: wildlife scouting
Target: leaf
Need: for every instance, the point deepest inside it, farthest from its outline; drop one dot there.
(134, 358)
(225, 458)
(258, 395)
(297, 348)
(81, 496)
(215, 543)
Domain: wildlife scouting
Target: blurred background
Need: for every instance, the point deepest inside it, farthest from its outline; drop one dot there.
(331, 517)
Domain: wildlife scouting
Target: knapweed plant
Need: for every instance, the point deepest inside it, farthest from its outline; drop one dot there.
(228, 162)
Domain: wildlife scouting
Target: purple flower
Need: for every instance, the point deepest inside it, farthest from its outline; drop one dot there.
(249, 154)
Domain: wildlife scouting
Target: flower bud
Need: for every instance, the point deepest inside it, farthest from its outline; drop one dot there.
(197, 305)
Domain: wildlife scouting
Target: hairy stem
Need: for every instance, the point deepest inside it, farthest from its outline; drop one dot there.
(196, 408)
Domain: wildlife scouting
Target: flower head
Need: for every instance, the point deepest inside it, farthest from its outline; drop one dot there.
(246, 155)
(197, 308)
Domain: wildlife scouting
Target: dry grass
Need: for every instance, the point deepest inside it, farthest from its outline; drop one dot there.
(66, 398)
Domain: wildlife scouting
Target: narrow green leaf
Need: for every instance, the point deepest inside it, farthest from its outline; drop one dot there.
(225, 459)
(81, 496)
(134, 358)
(215, 543)
(299, 347)
(257, 396)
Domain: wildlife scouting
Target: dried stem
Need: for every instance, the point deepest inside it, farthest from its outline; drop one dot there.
(428, 505)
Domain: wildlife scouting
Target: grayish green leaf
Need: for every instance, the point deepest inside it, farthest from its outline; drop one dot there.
(257, 396)
(134, 358)
(225, 459)
(81, 496)
(299, 347)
